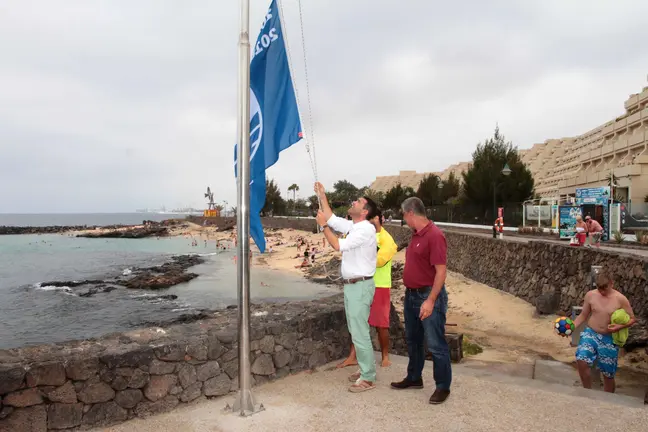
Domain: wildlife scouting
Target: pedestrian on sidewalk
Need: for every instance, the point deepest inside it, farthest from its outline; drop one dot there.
(357, 268)
(594, 231)
(426, 302)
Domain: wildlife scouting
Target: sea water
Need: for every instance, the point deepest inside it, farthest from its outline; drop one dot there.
(31, 312)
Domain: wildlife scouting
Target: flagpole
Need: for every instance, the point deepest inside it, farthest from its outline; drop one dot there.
(244, 402)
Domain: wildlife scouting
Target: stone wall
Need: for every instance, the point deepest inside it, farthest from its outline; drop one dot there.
(536, 269)
(143, 372)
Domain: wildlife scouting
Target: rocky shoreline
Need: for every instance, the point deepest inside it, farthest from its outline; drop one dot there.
(146, 229)
(146, 278)
(129, 232)
(55, 229)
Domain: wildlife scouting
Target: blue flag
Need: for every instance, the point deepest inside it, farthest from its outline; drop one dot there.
(274, 115)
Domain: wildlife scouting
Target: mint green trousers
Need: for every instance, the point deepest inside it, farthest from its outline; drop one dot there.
(357, 304)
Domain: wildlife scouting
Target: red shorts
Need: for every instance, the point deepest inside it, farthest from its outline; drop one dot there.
(379, 313)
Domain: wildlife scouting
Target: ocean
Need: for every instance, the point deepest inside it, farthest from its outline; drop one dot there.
(35, 313)
(76, 219)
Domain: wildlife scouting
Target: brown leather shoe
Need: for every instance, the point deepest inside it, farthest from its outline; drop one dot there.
(439, 396)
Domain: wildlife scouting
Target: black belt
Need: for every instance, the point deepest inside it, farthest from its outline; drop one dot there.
(356, 279)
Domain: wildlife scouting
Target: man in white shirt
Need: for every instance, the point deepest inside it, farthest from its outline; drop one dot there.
(359, 251)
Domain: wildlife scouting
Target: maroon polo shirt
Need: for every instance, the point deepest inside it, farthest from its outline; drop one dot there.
(426, 249)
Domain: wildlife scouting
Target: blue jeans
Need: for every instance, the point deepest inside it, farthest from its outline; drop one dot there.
(431, 331)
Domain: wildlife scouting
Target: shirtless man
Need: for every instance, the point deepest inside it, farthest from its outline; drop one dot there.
(594, 231)
(596, 340)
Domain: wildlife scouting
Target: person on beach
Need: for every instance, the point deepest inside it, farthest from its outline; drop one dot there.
(357, 268)
(380, 308)
(426, 302)
(596, 340)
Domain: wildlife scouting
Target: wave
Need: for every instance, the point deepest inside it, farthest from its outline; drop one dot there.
(143, 296)
(64, 289)
(206, 254)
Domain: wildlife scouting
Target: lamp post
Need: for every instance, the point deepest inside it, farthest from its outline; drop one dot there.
(505, 172)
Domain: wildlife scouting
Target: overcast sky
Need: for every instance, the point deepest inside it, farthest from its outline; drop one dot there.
(123, 104)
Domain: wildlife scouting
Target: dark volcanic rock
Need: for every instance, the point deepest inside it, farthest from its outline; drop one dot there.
(548, 303)
(166, 275)
(158, 281)
(133, 233)
(72, 284)
(96, 290)
(11, 378)
(12, 230)
(62, 416)
(32, 419)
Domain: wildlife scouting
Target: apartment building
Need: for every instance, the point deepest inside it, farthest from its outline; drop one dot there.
(404, 178)
(618, 147)
(560, 166)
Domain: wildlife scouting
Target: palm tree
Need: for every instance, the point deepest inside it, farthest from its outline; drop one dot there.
(294, 188)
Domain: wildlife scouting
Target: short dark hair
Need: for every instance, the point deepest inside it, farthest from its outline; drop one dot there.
(371, 207)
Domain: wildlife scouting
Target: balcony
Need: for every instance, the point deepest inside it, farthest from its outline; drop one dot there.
(644, 114)
(592, 178)
(632, 101)
(634, 118)
(607, 149)
(621, 145)
(628, 170)
(644, 95)
(596, 153)
(637, 139)
(608, 130)
(621, 124)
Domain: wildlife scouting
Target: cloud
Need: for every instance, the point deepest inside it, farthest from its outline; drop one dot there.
(112, 106)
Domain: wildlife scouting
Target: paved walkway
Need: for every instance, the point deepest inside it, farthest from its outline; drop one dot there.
(320, 402)
(617, 250)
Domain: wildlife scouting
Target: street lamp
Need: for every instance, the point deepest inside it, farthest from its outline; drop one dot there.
(506, 171)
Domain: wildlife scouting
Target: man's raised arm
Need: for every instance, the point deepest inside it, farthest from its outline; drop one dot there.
(339, 224)
(321, 194)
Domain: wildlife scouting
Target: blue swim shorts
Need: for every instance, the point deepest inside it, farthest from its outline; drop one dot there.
(593, 346)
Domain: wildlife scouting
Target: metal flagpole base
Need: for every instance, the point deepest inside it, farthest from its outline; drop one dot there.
(245, 404)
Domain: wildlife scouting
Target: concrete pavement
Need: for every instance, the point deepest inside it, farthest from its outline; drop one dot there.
(480, 401)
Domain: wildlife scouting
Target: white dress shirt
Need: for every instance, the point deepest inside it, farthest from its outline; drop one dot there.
(358, 248)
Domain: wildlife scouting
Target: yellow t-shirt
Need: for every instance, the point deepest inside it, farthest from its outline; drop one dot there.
(387, 248)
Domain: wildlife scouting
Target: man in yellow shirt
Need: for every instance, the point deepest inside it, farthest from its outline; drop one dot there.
(380, 308)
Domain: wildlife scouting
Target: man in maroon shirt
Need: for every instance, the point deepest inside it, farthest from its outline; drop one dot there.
(426, 302)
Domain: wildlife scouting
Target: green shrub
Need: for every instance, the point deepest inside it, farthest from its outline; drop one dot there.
(618, 236)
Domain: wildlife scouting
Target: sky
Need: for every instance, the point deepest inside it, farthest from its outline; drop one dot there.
(109, 106)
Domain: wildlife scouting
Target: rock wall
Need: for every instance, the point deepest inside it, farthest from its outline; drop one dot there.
(136, 374)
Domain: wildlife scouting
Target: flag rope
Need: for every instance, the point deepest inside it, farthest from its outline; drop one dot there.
(309, 143)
